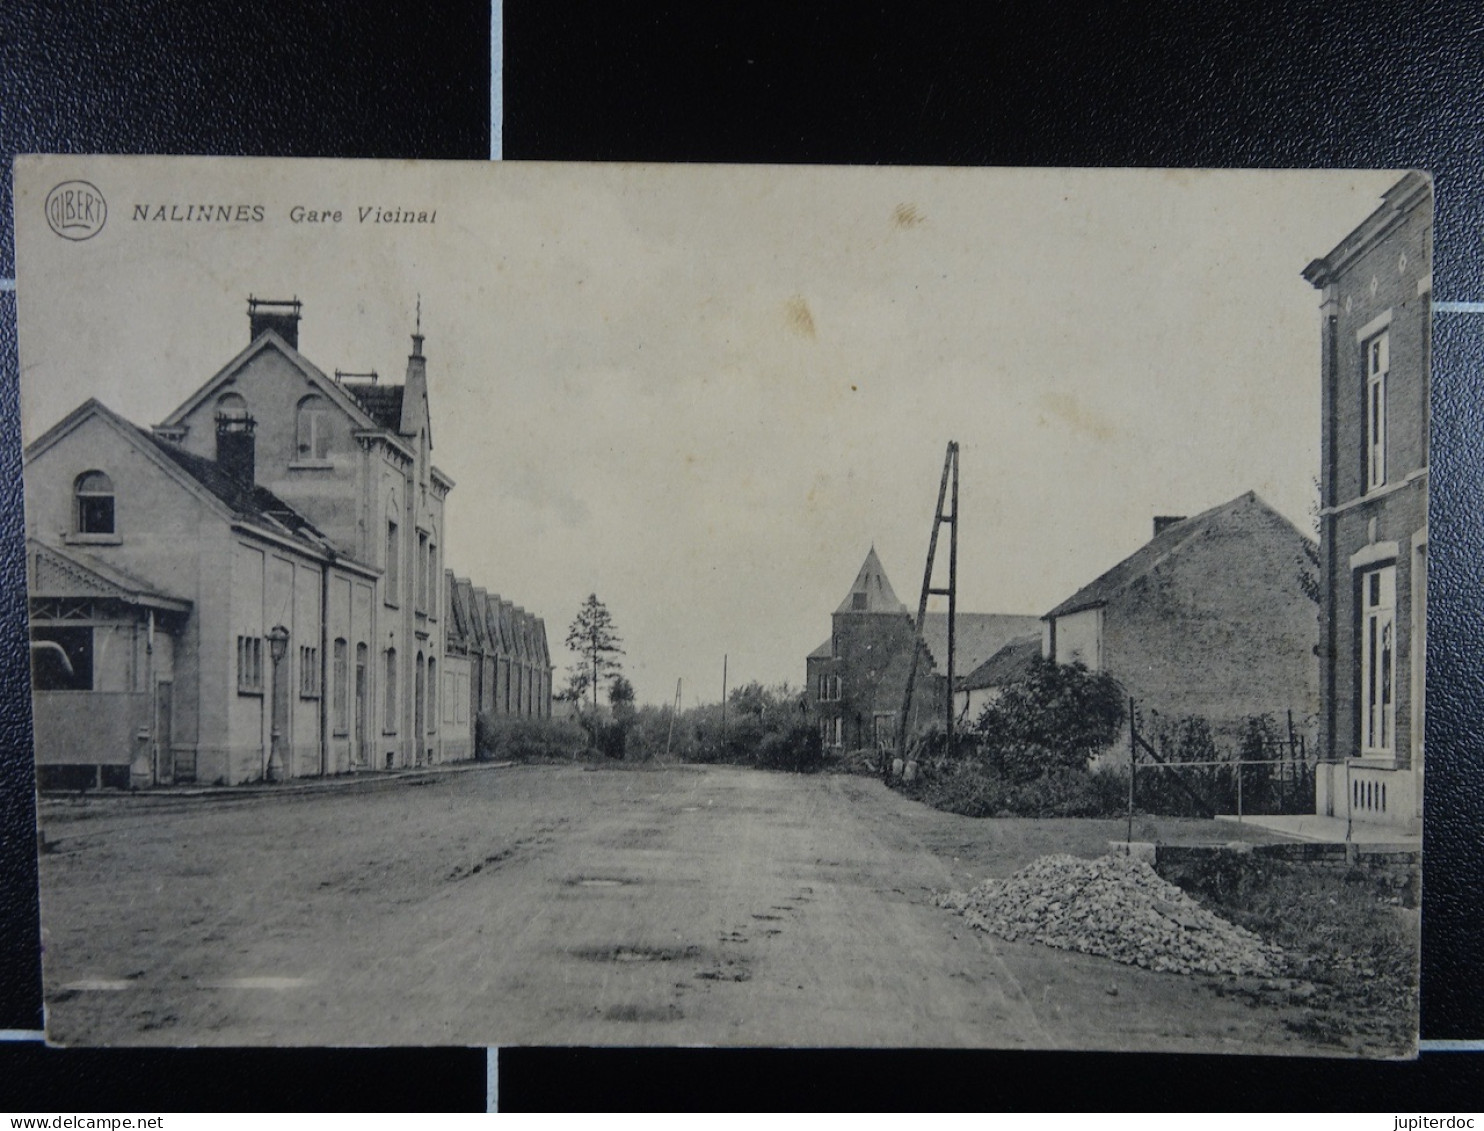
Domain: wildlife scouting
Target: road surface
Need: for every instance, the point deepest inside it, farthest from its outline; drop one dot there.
(561, 905)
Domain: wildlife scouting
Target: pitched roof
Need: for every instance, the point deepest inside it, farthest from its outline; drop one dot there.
(878, 594)
(1011, 663)
(459, 628)
(382, 403)
(1171, 540)
(57, 571)
(823, 652)
(976, 636)
(247, 500)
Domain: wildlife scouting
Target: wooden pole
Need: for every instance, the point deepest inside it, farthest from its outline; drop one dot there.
(673, 712)
(1133, 757)
(723, 701)
(952, 594)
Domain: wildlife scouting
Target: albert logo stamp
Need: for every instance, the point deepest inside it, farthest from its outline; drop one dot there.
(76, 210)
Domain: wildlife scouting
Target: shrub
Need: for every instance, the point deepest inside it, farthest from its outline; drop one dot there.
(513, 738)
(1058, 717)
(970, 786)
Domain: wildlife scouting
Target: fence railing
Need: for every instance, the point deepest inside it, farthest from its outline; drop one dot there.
(1281, 778)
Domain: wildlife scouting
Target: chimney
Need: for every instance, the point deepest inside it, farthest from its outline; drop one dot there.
(236, 447)
(280, 316)
(1163, 522)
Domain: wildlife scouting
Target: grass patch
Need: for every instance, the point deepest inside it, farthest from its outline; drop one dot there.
(1350, 937)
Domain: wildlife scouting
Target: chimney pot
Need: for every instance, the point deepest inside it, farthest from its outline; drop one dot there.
(236, 447)
(1163, 522)
(279, 315)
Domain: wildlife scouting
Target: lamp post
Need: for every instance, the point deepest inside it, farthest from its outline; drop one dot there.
(278, 646)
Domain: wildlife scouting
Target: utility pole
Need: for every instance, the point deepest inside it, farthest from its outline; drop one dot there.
(675, 711)
(723, 701)
(947, 493)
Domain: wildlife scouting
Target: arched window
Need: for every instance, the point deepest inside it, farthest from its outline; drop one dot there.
(94, 493)
(231, 406)
(389, 724)
(314, 427)
(418, 721)
(392, 577)
(432, 695)
(340, 700)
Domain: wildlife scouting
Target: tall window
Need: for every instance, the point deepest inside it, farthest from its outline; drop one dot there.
(418, 693)
(1377, 361)
(432, 695)
(389, 724)
(341, 692)
(433, 576)
(314, 427)
(393, 561)
(94, 493)
(1378, 660)
(250, 665)
(422, 572)
(308, 672)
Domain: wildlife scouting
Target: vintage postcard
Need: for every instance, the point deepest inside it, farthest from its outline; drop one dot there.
(684, 605)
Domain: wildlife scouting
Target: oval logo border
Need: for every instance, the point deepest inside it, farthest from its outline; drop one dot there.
(65, 230)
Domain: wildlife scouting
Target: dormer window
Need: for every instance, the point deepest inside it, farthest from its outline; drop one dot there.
(94, 494)
(314, 428)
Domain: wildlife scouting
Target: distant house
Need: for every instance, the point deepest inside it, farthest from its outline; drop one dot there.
(986, 683)
(1216, 616)
(1376, 322)
(499, 676)
(856, 681)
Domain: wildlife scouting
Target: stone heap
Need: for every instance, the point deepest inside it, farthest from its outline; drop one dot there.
(1116, 907)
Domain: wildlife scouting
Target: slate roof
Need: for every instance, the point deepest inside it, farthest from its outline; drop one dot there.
(247, 500)
(1144, 560)
(976, 636)
(823, 652)
(872, 581)
(382, 403)
(1011, 663)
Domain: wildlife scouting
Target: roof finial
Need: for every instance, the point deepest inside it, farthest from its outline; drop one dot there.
(417, 334)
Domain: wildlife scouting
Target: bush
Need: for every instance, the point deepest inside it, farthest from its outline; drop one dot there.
(972, 787)
(1056, 718)
(513, 738)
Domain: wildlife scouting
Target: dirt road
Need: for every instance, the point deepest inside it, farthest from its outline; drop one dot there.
(557, 905)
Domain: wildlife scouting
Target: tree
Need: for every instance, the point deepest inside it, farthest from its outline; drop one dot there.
(621, 696)
(591, 636)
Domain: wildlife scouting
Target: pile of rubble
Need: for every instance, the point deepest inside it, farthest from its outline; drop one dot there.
(1116, 907)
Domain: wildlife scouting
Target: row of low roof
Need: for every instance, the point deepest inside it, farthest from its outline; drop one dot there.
(480, 621)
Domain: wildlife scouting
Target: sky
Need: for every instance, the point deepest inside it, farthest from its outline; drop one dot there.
(704, 392)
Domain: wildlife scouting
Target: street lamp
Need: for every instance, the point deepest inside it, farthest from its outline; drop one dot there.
(278, 646)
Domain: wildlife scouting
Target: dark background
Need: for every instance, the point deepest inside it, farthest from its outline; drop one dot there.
(1244, 83)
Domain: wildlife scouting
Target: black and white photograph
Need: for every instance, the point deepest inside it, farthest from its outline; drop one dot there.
(691, 605)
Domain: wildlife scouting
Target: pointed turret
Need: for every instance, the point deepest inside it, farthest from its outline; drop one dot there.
(415, 414)
(872, 592)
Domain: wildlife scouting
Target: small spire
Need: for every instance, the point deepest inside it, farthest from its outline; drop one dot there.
(417, 336)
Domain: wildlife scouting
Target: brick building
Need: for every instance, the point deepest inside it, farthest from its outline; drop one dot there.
(855, 682)
(251, 589)
(1375, 317)
(1215, 616)
(502, 650)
